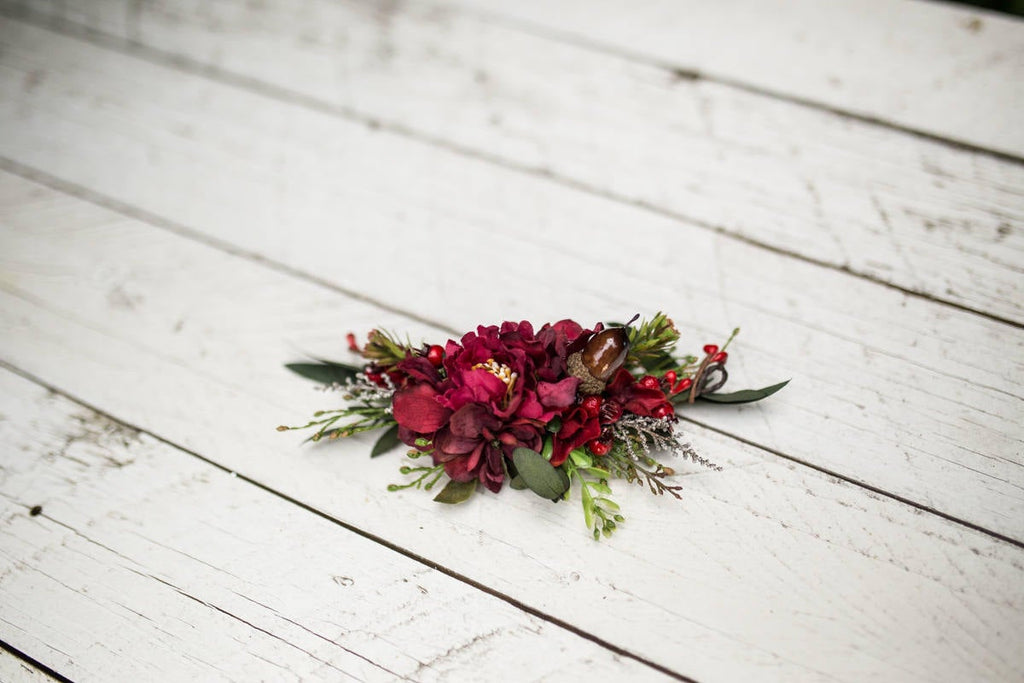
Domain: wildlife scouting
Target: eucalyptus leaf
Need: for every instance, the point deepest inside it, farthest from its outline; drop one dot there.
(387, 441)
(744, 396)
(456, 492)
(517, 483)
(538, 474)
(325, 371)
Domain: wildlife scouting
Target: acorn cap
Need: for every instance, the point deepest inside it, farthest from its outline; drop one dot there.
(588, 383)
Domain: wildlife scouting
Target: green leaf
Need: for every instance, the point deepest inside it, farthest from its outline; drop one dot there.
(744, 396)
(386, 442)
(588, 506)
(325, 371)
(517, 483)
(581, 458)
(538, 474)
(456, 492)
(680, 398)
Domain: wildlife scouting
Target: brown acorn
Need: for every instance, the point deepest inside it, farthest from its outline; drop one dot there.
(606, 352)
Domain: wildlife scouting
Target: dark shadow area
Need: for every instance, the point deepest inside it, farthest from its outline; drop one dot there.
(1015, 7)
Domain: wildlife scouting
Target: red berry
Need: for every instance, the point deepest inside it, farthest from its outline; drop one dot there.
(591, 405)
(599, 447)
(719, 357)
(663, 411)
(435, 354)
(710, 349)
(683, 384)
(669, 377)
(649, 382)
(351, 339)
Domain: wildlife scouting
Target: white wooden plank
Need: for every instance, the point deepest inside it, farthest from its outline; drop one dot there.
(145, 562)
(884, 377)
(15, 670)
(765, 571)
(951, 71)
(923, 215)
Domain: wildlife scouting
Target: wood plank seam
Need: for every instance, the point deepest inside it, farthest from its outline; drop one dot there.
(129, 211)
(555, 35)
(111, 541)
(28, 659)
(862, 484)
(74, 190)
(555, 621)
(187, 65)
(184, 593)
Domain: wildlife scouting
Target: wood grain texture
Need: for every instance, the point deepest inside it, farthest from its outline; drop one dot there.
(922, 215)
(881, 377)
(147, 563)
(765, 571)
(928, 66)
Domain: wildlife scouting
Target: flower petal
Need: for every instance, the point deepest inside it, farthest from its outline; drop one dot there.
(416, 408)
(558, 394)
(471, 420)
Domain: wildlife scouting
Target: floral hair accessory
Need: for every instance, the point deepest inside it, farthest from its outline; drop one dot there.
(538, 409)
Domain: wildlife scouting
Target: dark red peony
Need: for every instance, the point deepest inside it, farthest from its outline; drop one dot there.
(499, 389)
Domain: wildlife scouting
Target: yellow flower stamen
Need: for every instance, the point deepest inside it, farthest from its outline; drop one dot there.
(501, 371)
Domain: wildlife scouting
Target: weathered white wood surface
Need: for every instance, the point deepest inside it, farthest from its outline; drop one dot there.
(924, 216)
(146, 561)
(945, 69)
(911, 411)
(262, 160)
(766, 567)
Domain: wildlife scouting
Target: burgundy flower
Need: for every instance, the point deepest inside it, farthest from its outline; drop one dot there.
(499, 368)
(501, 386)
(475, 442)
(578, 427)
(624, 390)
